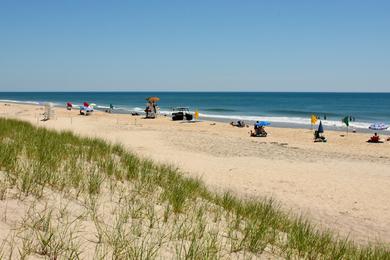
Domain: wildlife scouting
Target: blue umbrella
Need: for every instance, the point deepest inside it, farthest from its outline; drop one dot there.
(262, 123)
(320, 128)
(378, 126)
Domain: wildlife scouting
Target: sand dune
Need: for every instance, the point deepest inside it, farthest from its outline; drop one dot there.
(342, 185)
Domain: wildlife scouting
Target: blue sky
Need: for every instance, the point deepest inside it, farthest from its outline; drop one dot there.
(79, 45)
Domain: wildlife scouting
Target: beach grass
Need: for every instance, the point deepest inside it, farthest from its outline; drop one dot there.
(87, 198)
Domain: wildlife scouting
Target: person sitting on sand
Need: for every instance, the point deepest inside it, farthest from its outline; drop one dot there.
(374, 139)
(259, 132)
(262, 130)
(319, 137)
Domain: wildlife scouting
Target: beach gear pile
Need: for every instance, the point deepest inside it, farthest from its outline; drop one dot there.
(86, 108)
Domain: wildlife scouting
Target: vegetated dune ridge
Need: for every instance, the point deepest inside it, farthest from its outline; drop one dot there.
(340, 185)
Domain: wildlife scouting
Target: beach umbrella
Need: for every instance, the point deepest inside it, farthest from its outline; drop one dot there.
(378, 126)
(92, 105)
(86, 104)
(320, 128)
(262, 123)
(153, 99)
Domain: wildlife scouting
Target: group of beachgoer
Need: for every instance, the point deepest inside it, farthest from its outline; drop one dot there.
(151, 109)
(259, 131)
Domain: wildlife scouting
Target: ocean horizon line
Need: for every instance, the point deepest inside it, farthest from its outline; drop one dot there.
(200, 91)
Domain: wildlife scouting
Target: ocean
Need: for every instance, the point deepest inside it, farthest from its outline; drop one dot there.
(281, 109)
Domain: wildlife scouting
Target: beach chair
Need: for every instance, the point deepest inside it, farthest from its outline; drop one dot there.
(49, 112)
(319, 138)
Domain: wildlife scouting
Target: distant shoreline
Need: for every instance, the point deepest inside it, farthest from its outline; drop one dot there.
(201, 91)
(216, 119)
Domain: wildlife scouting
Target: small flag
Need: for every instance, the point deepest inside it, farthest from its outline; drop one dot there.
(313, 119)
(345, 121)
(196, 115)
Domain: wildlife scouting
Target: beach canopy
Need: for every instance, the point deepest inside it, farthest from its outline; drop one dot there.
(262, 123)
(153, 99)
(320, 128)
(378, 126)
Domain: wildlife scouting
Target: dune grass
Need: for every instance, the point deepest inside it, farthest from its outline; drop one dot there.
(134, 208)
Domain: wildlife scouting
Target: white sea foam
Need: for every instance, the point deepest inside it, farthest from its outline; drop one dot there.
(21, 102)
(273, 119)
(286, 120)
(102, 107)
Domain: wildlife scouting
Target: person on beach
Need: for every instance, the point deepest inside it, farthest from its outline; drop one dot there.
(374, 139)
(259, 131)
(147, 111)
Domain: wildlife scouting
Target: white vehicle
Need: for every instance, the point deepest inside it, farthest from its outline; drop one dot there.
(181, 113)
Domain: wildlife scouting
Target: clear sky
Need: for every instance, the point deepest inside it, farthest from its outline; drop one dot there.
(79, 45)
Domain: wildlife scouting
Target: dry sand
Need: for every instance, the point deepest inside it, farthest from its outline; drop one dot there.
(343, 185)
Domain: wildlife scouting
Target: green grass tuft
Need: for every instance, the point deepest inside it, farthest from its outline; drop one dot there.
(204, 225)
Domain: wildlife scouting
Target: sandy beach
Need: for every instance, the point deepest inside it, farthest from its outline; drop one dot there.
(342, 184)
